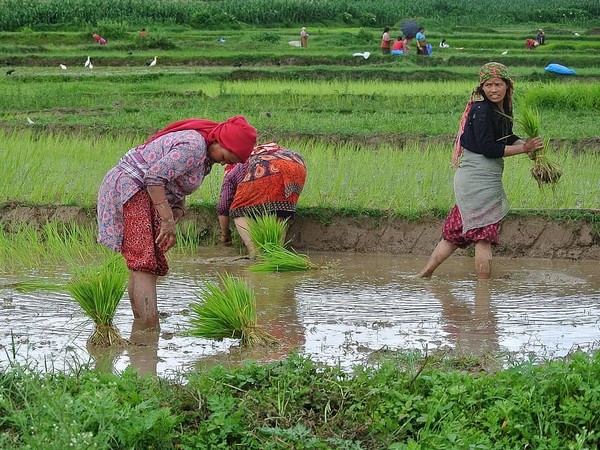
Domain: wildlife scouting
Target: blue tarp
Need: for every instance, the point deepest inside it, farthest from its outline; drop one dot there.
(557, 68)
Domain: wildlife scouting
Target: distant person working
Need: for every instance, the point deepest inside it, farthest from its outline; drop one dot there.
(398, 47)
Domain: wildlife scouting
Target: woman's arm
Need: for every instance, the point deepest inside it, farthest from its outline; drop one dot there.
(521, 146)
(225, 231)
(167, 235)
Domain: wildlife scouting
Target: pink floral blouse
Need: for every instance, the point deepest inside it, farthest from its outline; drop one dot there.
(178, 161)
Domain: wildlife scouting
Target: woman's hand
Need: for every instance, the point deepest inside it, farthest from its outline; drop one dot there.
(533, 144)
(167, 236)
(225, 239)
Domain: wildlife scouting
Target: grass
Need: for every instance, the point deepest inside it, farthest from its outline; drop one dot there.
(407, 401)
(228, 312)
(408, 182)
(26, 249)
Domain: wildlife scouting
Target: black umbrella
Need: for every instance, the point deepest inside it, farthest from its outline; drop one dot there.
(410, 29)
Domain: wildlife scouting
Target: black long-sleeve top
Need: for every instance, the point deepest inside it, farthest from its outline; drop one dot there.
(487, 130)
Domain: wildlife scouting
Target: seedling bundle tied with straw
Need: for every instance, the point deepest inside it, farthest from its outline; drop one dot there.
(228, 312)
(543, 171)
(98, 290)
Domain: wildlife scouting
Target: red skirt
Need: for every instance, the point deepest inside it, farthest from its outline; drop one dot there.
(452, 231)
(141, 228)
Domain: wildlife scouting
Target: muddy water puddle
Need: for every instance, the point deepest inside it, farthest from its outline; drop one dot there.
(363, 305)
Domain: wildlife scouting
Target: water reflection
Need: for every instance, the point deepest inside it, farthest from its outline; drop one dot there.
(143, 349)
(337, 316)
(470, 322)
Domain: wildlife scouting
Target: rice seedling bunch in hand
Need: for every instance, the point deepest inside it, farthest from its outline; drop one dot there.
(267, 234)
(98, 290)
(543, 171)
(228, 312)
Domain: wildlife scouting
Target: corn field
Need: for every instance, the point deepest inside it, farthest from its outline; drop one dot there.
(80, 14)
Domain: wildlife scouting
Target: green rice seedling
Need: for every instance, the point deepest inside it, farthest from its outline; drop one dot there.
(98, 290)
(543, 171)
(276, 258)
(266, 229)
(268, 234)
(228, 312)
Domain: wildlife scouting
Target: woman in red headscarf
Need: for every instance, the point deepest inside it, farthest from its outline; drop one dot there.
(141, 200)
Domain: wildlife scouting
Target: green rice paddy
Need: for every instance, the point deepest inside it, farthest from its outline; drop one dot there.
(376, 135)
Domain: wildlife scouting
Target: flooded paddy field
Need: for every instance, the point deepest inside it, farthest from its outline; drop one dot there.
(362, 306)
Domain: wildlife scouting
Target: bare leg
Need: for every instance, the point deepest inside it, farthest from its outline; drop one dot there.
(483, 260)
(287, 227)
(241, 225)
(441, 252)
(143, 298)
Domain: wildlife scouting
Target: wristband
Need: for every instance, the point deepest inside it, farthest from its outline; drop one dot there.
(161, 203)
(181, 208)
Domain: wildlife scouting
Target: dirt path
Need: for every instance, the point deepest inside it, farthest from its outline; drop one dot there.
(575, 235)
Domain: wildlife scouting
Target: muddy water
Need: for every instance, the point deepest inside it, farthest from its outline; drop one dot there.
(341, 315)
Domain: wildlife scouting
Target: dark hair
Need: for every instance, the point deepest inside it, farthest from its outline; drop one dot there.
(386, 29)
(399, 38)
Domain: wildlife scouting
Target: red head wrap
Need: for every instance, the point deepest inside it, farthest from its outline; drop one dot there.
(235, 134)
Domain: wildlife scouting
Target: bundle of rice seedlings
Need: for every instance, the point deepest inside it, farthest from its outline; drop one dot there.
(275, 258)
(267, 234)
(543, 171)
(98, 290)
(266, 230)
(229, 312)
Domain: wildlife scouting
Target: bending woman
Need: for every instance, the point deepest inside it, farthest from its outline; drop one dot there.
(142, 199)
(484, 138)
(269, 183)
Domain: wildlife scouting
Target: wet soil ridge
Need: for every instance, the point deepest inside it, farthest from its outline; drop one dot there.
(531, 236)
(575, 235)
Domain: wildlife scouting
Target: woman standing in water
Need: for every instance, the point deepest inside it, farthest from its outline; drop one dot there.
(484, 139)
(141, 199)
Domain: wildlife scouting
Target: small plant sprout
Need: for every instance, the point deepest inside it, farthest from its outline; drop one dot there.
(228, 312)
(268, 234)
(98, 290)
(543, 171)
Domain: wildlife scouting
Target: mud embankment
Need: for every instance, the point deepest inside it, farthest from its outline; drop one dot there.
(557, 234)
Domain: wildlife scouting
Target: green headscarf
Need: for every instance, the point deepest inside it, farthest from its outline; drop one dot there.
(494, 70)
(487, 72)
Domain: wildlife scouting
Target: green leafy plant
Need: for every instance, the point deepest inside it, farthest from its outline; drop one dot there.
(98, 290)
(228, 312)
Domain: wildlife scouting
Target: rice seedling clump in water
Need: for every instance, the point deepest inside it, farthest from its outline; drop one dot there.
(228, 312)
(543, 171)
(98, 290)
(267, 234)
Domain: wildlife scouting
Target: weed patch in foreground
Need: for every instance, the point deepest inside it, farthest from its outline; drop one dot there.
(298, 403)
